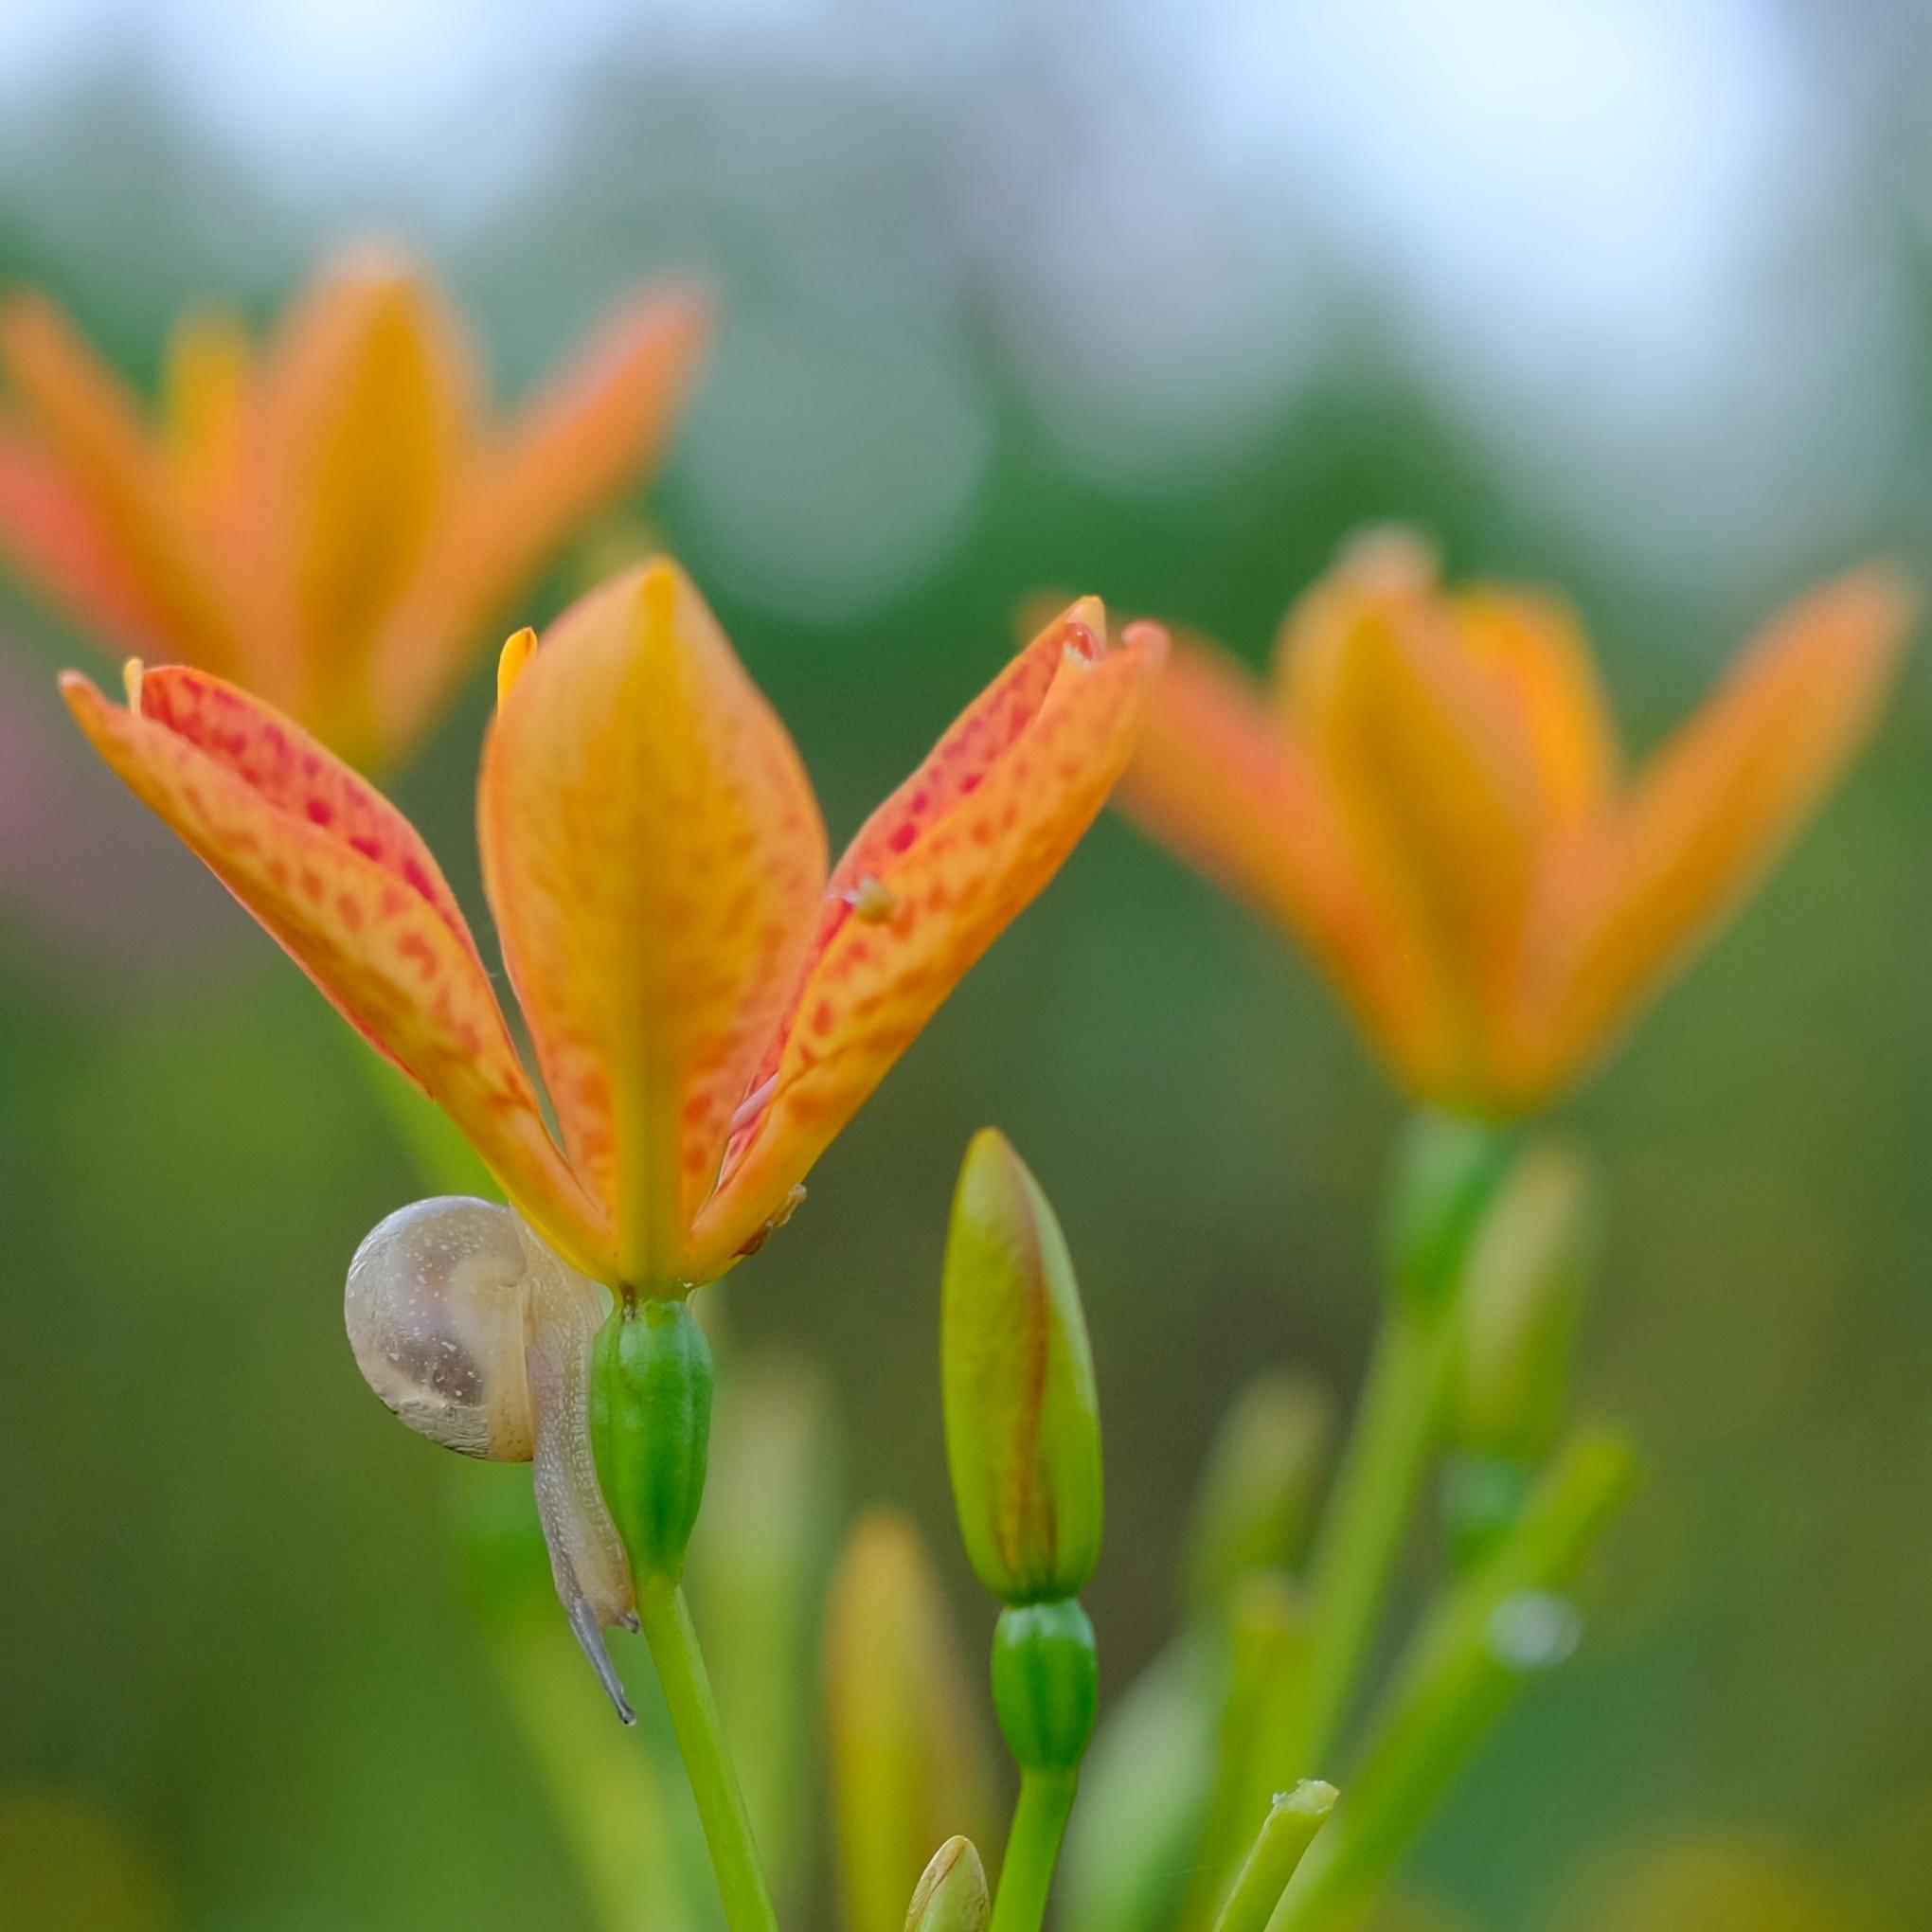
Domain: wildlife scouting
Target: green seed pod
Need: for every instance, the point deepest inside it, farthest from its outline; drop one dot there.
(1447, 1169)
(1257, 1494)
(952, 1895)
(1046, 1684)
(1023, 1435)
(650, 1426)
(1523, 1284)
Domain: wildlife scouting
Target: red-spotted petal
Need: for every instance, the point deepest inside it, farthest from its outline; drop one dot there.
(341, 881)
(934, 878)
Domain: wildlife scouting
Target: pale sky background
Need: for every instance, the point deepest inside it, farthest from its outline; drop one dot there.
(1579, 215)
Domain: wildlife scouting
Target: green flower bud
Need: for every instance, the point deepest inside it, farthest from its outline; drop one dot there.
(1258, 1495)
(1023, 1436)
(1523, 1284)
(1447, 1169)
(1046, 1684)
(649, 1429)
(952, 1895)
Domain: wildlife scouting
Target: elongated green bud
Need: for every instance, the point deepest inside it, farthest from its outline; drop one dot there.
(910, 1759)
(1258, 1495)
(1046, 1684)
(1023, 1436)
(952, 1895)
(649, 1429)
(1447, 1171)
(1524, 1285)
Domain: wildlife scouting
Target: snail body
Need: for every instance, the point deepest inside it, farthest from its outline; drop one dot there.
(471, 1331)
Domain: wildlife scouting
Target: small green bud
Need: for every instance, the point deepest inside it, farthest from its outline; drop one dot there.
(1524, 1285)
(1447, 1169)
(649, 1429)
(1258, 1495)
(952, 1895)
(1046, 1684)
(1023, 1434)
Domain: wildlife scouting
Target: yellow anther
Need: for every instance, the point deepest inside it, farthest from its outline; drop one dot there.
(130, 679)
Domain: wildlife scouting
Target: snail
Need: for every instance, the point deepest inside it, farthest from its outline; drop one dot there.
(478, 1337)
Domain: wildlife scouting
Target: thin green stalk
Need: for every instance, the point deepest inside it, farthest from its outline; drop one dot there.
(611, 1790)
(674, 1641)
(1290, 1829)
(1368, 1515)
(1501, 1624)
(1026, 1874)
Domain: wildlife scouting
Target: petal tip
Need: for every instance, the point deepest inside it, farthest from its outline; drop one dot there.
(517, 651)
(1391, 560)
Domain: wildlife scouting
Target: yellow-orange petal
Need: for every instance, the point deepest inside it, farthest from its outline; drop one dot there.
(339, 877)
(88, 429)
(1221, 778)
(210, 360)
(597, 427)
(655, 856)
(1711, 809)
(1435, 793)
(366, 416)
(950, 859)
(1532, 650)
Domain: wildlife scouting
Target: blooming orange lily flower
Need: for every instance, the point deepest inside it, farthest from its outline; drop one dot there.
(328, 518)
(1431, 798)
(706, 1005)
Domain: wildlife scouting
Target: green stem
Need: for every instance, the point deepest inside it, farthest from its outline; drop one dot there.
(1499, 1626)
(667, 1630)
(1368, 1515)
(1026, 1874)
(1291, 1826)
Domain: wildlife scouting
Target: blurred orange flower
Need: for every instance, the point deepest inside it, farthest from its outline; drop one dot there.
(327, 518)
(707, 1007)
(1430, 798)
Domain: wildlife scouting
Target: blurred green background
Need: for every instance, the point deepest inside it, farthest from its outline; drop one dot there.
(1155, 301)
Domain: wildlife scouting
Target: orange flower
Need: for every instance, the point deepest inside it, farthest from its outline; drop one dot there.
(1430, 798)
(328, 518)
(706, 1007)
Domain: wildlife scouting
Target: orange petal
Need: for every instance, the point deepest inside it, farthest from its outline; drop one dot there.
(366, 410)
(206, 396)
(1433, 788)
(1221, 778)
(1715, 805)
(1532, 650)
(51, 537)
(341, 879)
(597, 427)
(655, 856)
(89, 430)
(938, 873)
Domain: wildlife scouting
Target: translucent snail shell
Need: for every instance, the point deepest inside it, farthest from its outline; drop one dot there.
(478, 1337)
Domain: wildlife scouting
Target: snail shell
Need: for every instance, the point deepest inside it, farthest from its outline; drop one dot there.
(478, 1337)
(434, 1311)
